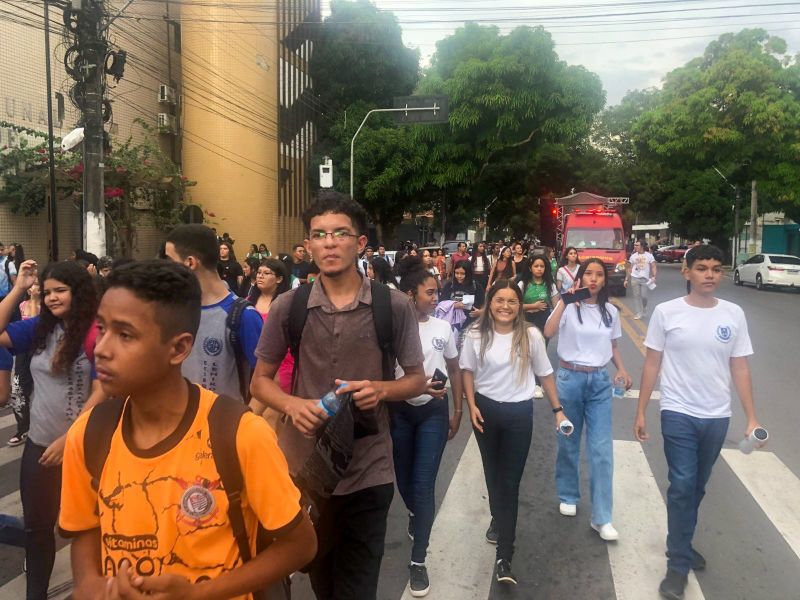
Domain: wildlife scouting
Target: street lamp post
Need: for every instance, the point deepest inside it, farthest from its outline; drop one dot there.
(735, 242)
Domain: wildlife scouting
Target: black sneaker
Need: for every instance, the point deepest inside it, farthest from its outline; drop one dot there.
(673, 585)
(418, 580)
(698, 561)
(410, 529)
(503, 573)
(491, 533)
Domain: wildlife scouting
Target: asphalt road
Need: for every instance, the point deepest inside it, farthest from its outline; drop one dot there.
(749, 527)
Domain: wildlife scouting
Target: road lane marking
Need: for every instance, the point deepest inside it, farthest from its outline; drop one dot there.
(9, 454)
(625, 321)
(11, 504)
(637, 561)
(60, 580)
(460, 561)
(7, 421)
(773, 486)
(627, 312)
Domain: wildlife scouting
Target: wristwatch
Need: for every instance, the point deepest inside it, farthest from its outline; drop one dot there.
(558, 409)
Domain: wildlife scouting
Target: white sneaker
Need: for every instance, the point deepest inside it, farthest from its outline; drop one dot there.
(637, 316)
(538, 392)
(606, 532)
(568, 510)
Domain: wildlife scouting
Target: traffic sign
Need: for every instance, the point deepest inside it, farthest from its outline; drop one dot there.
(438, 112)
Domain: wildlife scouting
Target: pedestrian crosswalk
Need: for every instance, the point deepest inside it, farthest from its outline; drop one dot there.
(461, 563)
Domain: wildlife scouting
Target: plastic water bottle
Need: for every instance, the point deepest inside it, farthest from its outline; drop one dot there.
(618, 392)
(331, 402)
(757, 437)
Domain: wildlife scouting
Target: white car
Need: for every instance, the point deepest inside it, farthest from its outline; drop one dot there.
(769, 269)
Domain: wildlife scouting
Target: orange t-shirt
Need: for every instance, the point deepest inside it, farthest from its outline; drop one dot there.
(164, 509)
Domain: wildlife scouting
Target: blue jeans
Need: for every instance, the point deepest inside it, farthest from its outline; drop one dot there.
(12, 531)
(586, 398)
(691, 446)
(504, 446)
(419, 435)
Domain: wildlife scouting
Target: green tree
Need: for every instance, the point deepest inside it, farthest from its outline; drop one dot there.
(735, 108)
(510, 96)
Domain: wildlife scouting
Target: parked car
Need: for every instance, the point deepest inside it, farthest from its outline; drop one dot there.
(764, 270)
(670, 253)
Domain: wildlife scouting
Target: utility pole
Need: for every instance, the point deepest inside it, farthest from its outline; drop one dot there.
(52, 206)
(753, 217)
(92, 42)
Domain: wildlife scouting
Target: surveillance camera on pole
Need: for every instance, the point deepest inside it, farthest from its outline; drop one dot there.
(326, 173)
(72, 139)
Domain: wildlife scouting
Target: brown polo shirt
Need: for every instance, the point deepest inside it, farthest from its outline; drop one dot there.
(341, 344)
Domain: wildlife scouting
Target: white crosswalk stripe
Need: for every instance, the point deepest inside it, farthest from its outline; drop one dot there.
(462, 571)
(637, 560)
(774, 487)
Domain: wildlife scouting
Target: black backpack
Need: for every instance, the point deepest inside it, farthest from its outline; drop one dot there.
(223, 423)
(232, 324)
(381, 317)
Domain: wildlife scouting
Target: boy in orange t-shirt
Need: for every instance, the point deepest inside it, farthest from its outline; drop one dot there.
(156, 520)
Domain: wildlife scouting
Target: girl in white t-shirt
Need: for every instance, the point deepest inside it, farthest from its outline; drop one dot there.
(421, 426)
(502, 357)
(587, 340)
(566, 275)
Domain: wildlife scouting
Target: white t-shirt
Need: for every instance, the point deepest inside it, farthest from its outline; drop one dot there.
(587, 343)
(438, 344)
(565, 277)
(640, 264)
(697, 345)
(482, 266)
(434, 271)
(497, 375)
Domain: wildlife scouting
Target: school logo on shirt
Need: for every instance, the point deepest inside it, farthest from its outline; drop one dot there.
(212, 346)
(438, 343)
(197, 502)
(724, 333)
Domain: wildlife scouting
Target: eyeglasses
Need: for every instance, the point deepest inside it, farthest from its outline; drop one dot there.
(338, 236)
(501, 302)
(264, 273)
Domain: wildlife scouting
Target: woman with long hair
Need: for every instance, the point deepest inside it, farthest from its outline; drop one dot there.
(427, 262)
(568, 272)
(519, 257)
(587, 340)
(263, 251)
(538, 291)
(230, 271)
(58, 339)
(272, 279)
(463, 284)
(249, 271)
(501, 360)
(481, 265)
(503, 267)
(421, 426)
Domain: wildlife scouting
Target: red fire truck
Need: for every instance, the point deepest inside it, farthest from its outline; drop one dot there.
(592, 224)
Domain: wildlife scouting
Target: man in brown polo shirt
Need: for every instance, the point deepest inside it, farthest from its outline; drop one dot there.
(339, 343)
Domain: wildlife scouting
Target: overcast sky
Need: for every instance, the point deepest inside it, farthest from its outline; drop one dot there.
(630, 44)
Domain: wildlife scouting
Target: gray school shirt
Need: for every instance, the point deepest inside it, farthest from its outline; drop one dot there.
(57, 399)
(212, 363)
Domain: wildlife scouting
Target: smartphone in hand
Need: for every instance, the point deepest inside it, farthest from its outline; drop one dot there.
(438, 380)
(576, 296)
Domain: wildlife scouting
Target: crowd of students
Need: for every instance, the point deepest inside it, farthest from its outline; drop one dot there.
(149, 380)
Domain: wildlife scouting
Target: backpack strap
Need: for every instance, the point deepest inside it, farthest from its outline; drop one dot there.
(382, 318)
(232, 323)
(298, 312)
(223, 423)
(100, 427)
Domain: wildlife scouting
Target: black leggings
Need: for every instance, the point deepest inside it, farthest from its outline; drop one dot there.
(40, 488)
(504, 446)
